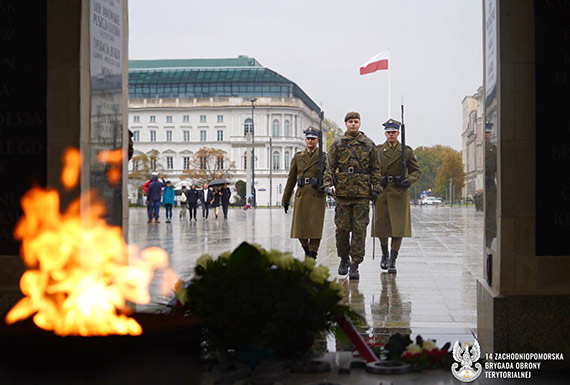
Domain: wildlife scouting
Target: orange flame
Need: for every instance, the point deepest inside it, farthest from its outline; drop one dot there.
(79, 277)
(113, 158)
(72, 165)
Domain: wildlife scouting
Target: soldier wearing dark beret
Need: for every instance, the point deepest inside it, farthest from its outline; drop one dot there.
(310, 200)
(392, 213)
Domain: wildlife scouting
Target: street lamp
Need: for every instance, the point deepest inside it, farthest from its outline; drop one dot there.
(253, 201)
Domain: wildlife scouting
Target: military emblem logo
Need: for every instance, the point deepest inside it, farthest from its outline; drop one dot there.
(466, 356)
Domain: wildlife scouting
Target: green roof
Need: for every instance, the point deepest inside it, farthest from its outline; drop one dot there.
(240, 61)
(201, 78)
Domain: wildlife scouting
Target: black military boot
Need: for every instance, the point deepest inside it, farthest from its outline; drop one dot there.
(353, 274)
(307, 252)
(343, 266)
(313, 254)
(393, 256)
(385, 256)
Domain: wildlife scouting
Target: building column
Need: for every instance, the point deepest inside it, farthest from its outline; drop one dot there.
(51, 85)
(525, 293)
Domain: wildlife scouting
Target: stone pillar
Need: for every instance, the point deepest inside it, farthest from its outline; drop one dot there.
(45, 107)
(525, 295)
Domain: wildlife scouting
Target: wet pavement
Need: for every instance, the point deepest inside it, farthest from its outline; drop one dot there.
(433, 293)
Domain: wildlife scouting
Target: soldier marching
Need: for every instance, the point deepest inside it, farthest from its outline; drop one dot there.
(354, 179)
(392, 211)
(310, 201)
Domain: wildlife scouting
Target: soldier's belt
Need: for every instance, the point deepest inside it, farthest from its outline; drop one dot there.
(352, 170)
(303, 181)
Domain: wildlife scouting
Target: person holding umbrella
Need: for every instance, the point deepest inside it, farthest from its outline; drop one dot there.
(216, 200)
(225, 199)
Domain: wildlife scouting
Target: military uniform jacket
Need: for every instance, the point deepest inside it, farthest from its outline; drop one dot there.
(309, 207)
(392, 213)
(359, 155)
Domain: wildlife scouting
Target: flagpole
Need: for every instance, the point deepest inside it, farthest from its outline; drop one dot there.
(389, 84)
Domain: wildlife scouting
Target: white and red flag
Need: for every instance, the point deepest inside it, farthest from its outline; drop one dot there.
(376, 63)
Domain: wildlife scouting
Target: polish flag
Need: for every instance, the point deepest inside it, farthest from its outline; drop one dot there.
(375, 63)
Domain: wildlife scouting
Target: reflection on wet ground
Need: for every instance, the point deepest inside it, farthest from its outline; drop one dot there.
(433, 293)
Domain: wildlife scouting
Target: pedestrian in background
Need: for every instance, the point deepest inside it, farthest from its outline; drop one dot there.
(392, 209)
(310, 200)
(206, 197)
(168, 200)
(355, 176)
(192, 201)
(183, 201)
(225, 199)
(216, 200)
(153, 197)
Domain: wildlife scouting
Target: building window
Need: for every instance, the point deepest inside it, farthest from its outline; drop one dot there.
(153, 119)
(135, 165)
(244, 160)
(247, 126)
(168, 118)
(202, 135)
(220, 135)
(276, 159)
(202, 118)
(136, 136)
(220, 163)
(220, 118)
(152, 135)
(203, 163)
(186, 161)
(186, 136)
(152, 164)
(287, 160)
(287, 128)
(186, 118)
(169, 136)
(276, 127)
(136, 119)
(170, 163)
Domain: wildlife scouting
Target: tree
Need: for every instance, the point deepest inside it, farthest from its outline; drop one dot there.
(332, 130)
(143, 166)
(430, 160)
(451, 170)
(208, 164)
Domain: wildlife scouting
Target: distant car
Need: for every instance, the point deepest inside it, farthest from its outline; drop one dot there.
(432, 201)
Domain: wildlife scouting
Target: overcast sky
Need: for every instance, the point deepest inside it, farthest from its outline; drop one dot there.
(435, 52)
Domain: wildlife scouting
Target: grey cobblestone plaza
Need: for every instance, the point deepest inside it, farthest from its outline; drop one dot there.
(433, 293)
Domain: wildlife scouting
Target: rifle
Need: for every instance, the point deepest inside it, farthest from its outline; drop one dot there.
(403, 126)
(321, 160)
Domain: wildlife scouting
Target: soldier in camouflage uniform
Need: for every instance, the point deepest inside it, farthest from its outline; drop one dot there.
(392, 211)
(310, 199)
(354, 178)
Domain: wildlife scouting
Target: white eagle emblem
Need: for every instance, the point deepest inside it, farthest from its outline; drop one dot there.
(466, 357)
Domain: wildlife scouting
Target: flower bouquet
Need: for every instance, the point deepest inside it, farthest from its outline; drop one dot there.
(261, 300)
(424, 354)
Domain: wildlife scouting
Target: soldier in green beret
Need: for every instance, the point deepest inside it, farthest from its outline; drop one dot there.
(310, 199)
(392, 213)
(354, 179)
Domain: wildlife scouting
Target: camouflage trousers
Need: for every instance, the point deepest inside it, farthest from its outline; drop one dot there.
(351, 215)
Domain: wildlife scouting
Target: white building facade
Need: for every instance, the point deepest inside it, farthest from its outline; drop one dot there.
(473, 137)
(178, 117)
